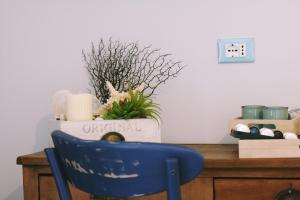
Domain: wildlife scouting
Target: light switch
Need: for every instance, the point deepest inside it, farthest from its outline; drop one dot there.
(236, 50)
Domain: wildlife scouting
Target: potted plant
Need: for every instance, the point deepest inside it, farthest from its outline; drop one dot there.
(114, 68)
(124, 78)
(130, 116)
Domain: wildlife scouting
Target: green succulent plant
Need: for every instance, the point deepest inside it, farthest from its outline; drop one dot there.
(137, 106)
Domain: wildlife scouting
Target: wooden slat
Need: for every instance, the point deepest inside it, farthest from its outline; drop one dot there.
(38, 158)
(30, 183)
(216, 156)
(252, 172)
(274, 148)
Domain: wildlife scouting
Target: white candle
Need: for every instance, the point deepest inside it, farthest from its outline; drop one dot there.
(79, 107)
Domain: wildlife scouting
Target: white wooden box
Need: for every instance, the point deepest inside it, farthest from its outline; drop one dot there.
(269, 148)
(142, 130)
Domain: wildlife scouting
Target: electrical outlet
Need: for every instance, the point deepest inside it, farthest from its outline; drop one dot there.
(236, 50)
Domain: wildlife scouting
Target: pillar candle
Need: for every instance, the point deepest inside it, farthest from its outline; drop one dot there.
(79, 107)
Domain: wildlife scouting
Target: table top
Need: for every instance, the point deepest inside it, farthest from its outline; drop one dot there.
(215, 155)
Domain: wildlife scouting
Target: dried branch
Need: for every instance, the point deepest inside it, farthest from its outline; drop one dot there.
(127, 65)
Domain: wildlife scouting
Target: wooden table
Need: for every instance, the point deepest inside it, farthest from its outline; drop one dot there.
(225, 176)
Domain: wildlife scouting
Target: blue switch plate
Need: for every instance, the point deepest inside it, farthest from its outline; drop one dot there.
(237, 50)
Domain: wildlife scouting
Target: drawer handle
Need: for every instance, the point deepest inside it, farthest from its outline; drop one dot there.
(288, 194)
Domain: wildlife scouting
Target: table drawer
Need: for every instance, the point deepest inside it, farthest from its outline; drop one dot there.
(249, 189)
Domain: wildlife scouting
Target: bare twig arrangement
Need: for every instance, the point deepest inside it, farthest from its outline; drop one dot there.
(127, 65)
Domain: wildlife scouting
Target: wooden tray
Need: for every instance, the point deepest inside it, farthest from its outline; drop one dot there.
(268, 148)
(291, 125)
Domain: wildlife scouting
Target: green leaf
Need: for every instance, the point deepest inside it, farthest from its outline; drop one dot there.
(138, 106)
(116, 108)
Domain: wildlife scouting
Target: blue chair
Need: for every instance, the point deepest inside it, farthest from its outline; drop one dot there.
(120, 169)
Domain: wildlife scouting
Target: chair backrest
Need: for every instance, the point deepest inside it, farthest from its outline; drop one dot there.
(121, 169)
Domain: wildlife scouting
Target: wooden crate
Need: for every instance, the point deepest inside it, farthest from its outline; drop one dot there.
(142, 130)
(291, 125)
(269, 148)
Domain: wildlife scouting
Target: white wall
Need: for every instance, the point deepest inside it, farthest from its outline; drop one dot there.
(40, 53)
